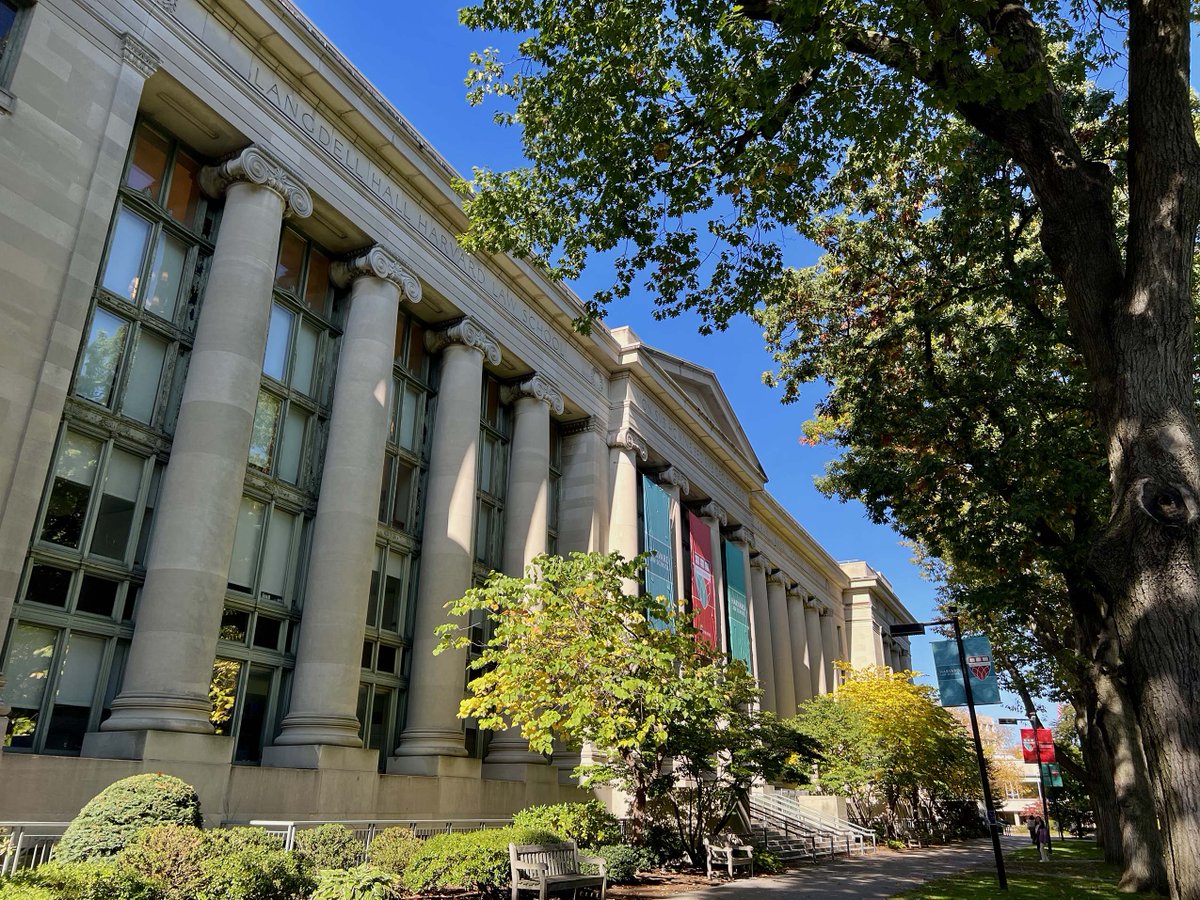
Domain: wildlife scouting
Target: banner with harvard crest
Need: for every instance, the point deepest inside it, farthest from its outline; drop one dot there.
(737, 609)
(978, 650)
(704, 590)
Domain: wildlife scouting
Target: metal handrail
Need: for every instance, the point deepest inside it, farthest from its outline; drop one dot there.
(366, 829)
(28, 844)
(790, 813)
(833, 821)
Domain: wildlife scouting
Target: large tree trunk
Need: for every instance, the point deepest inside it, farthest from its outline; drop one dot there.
(1099, 782)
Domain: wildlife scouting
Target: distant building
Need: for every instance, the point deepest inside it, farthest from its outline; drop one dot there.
(262, 418)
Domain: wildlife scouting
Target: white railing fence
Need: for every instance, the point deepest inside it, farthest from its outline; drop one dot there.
(365, 829)
(25, 845)
(782, 810)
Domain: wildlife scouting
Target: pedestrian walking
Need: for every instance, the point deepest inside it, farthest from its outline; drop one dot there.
(1042, 838)
(1031, 824)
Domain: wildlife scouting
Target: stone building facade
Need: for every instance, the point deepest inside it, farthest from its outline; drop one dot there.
(262, 417)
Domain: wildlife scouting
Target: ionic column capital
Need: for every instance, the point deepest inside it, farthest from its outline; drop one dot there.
(537, 387)
(256, 166)
(378, 262)
(469, 333)
(672, 475)
(776, 577)
(714, 510)
(758, 561)
(740, 534)
(628, 439)
(138, 55)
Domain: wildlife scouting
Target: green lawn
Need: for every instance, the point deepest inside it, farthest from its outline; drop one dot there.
(1077, 870)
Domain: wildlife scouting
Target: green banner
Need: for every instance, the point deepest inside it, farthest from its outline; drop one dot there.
(1051, 775)
(978, 650)
(656, 536)
(737, 609)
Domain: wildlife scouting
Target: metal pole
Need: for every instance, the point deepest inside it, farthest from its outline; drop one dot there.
(983, 779)
(1037, 749)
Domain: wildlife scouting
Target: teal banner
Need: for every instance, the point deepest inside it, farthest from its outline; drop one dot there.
(984, 688)
(737, 609)
(656, 536)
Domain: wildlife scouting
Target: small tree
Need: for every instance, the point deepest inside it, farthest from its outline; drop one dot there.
(573, 656)
(884, 740)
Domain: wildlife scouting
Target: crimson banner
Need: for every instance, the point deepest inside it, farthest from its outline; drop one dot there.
(704, 592)
(1044, 743)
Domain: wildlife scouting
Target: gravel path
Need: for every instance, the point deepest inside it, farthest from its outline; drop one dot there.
(881, 875)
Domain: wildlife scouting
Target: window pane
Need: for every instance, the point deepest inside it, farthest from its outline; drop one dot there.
(245, 544)
(73, 477)
(279, 339)
(166, 276)
(114, 521)
(393, 593)
(80, 670)
(223, 693)
(98, 364)
(139, 557)
(27, 668)
(487, 462)
(385, 490)
(145, 373)
(402, 505)
(416, 349)
(379, 716)
(184, 195)
(125, 255)
(266, 632)
(361, 710)
(316, 285)
(306, 358)
(49, 585)
(266, 423)
(97, 596)
(291, 445)
(386, 661)
(273, 580)
(254, 715)
(235, 625)
(408, 417)
(291, 258)
(149, 163)
(116, 676)
(373, 600)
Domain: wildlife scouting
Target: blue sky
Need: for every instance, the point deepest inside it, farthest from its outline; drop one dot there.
(417, 55)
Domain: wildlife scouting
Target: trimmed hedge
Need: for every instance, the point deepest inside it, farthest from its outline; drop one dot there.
(330, 846)
(172, 855)
(90, 880)
(111, 820)
(393, 849)
(472, 860)
(587, 824)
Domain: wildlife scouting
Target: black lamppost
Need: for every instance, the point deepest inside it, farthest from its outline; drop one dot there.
(908, 629)
(1037, 749)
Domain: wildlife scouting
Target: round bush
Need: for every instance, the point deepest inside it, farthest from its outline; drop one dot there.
(110, 820)
(256, 873)
(587, 824)
(330, 846)
(622, 862)
(393, 849)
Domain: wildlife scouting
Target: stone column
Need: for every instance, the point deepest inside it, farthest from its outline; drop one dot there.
(433, 730)
(583, 501)
(328, 661)
(829, 648)
(36, 384)
(525, 519)
(713, 515)
(169, 669)
(816, 656)
(626, 446)
(781, 645)
(801, 658)
(761, 622)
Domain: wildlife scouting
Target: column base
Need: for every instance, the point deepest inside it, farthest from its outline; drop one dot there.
(320, 756)
(427, 742)
(169, 746)
(517, 771)
(158, 711)
(434, 766)
(306, 729)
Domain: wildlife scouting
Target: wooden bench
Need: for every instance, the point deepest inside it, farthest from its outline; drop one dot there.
(553, 869)
(729, 852)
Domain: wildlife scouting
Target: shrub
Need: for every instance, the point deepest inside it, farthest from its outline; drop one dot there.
(89, 880)
(766, 861)
(231, 840)
(393, 849)
(255, 873)
(173, 855)
(474, 860)
(662, 841)
(330, 846)
(358, 883)
(587, 824)
(110, 820)
(622, 862)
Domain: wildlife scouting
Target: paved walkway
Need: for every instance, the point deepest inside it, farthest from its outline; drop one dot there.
(880, 875)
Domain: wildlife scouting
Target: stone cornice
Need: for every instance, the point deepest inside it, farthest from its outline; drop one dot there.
(138, 55)
(537, 387)
(740, 534)
(256, 166)
(672, 475)
(378, 262)
(628, 439)
(713, 510)
(469, 333)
